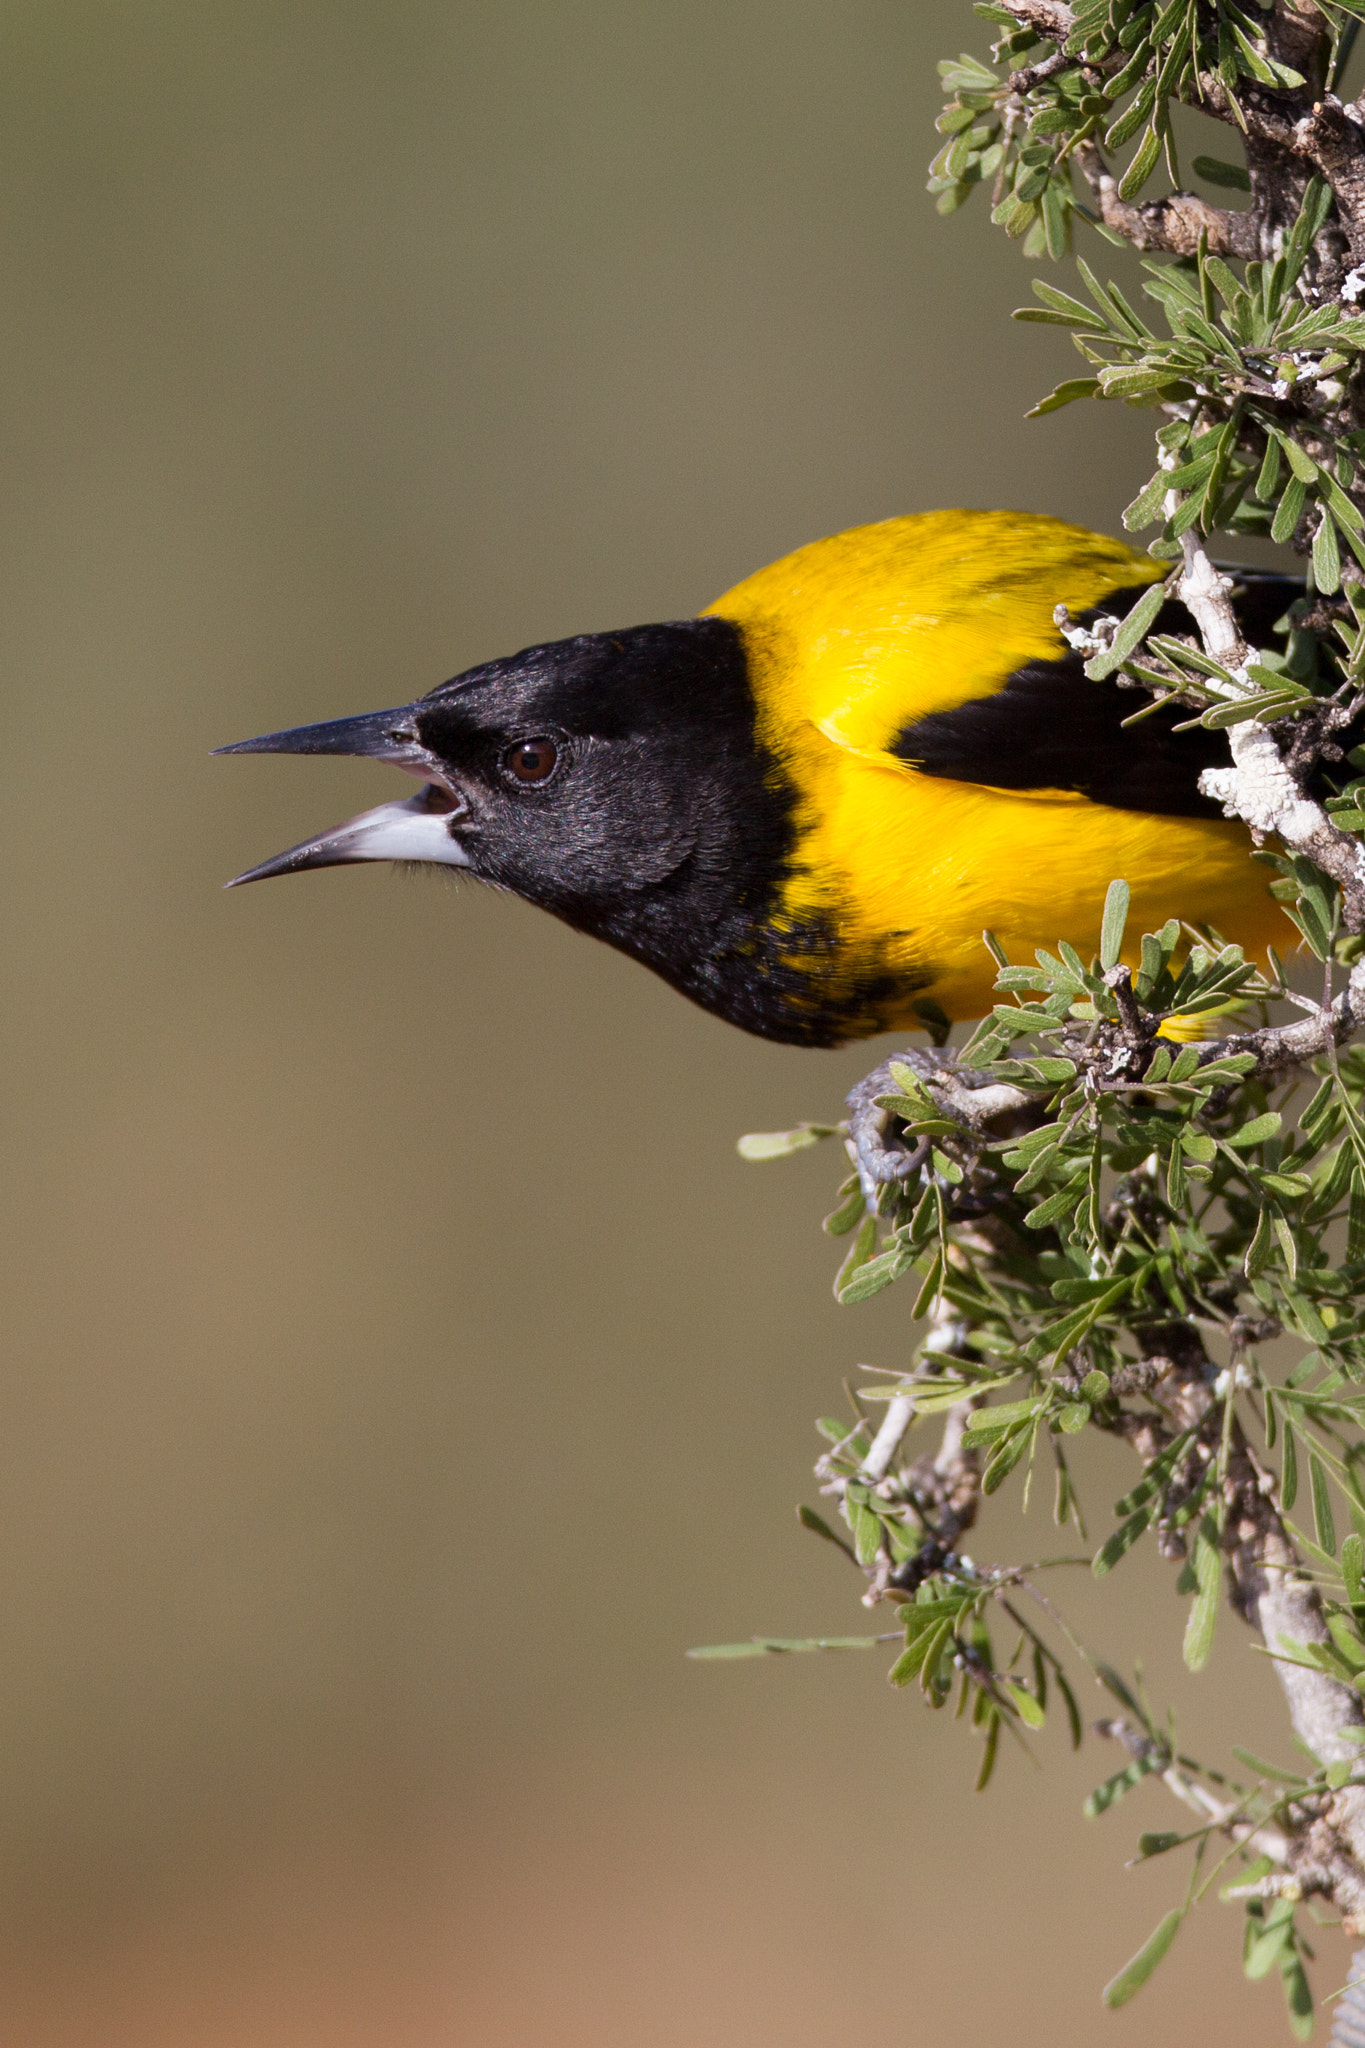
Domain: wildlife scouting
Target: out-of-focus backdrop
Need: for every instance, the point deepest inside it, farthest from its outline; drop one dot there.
(399, 1367)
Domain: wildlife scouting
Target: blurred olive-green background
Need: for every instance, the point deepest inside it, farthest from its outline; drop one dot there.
(399, 1367)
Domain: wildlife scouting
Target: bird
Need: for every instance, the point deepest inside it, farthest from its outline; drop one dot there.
(804, 806)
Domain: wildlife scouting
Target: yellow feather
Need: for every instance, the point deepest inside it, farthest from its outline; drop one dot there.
(851, 638)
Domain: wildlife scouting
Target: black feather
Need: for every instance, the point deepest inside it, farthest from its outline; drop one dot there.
(1049, 727)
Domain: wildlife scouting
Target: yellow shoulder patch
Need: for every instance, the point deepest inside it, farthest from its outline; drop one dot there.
(855, 636)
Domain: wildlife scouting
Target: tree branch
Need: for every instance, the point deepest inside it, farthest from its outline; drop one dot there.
(1050, 17)
(1268, 1588)
(1259, 787)
(1331, 139)
(1222, 1813)
(1207, 596)
(1178, 224)
(1304, 124)
(1281, 1046)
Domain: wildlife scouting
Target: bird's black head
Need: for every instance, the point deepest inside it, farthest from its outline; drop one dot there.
(615, 779)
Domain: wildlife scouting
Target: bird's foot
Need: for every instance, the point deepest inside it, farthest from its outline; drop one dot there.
(882, 1157)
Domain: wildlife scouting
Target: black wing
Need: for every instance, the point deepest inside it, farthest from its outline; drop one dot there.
(1050, 728)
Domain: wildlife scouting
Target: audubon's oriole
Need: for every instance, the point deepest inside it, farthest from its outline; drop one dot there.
(802, 807)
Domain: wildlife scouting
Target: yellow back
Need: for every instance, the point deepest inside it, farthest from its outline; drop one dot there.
(856, 635)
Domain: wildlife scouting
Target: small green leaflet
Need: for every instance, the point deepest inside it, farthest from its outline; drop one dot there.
(1122, 1541)
(1134, 1975)
(1132, 631)
(778, 1144)
(1322, 1505)
(1111, 929)
(1199, 1629)
(809, 1519)
(1029, 1710)
(1104, 1796)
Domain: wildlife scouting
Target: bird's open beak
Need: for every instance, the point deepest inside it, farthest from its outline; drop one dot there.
(416, 829)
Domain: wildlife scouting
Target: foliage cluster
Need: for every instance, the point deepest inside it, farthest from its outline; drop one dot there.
(1157, 1255)
(1134, 1201)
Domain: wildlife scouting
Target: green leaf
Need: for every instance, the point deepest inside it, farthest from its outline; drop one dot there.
(1302, 1312)
(1111, 1681)
(1346, 1636)
(1132, 119)
(1189, 474)
(849, 1213)
(1073, 1712)
(1122, 1541)
(1289, 510)
(1262, 1244)
(1215, 172)
(818, 1526)
(1298, 1997)
(1353, 1566)
(1257, 1131)
(1262, 1769)
(1142, 166)
(930, 1287)
(1146, 506)
(1029, 1710)
(1065, 1335)
(1054, 1208)
(1276, 1939)
(1267, 703)
(921, 1658)
(1326, 555)
(983, 1776)
(867, 1530)
(1004, 1459)
(717, 1651)
(1176, 1183)
(1049, 1069)
(1300, 461)
(859, 1252)
(1199, 1629)
(1346, 512)
(1121, 1784)
(1066, 393)
(1322, 1505)
(1062, 302)
(1317, 203)
(1132, 630)
(1289, 1471)
(1115, 917)
(1122, 381)
(1269, 475)
(990, 1423)
(1135, 1974)
(777, 1144)
(1355, 1225)
(910, 1084)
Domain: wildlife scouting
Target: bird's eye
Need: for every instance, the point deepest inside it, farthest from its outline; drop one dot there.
(531, 761)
